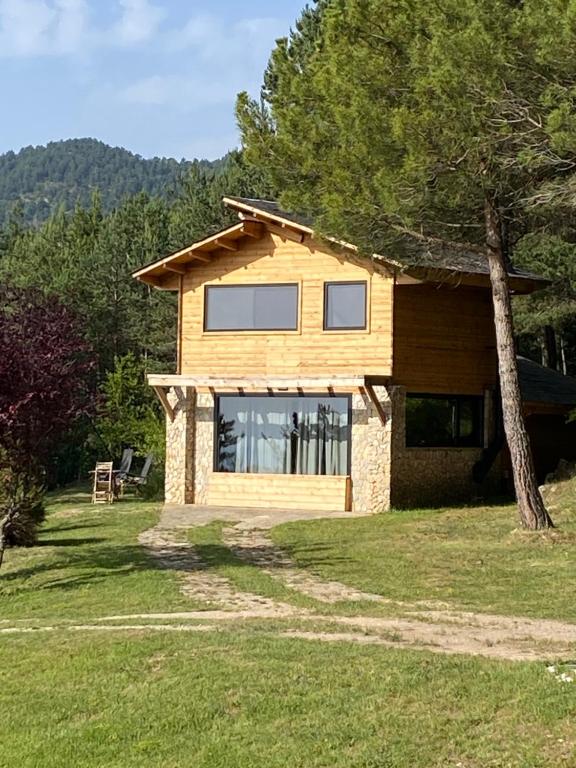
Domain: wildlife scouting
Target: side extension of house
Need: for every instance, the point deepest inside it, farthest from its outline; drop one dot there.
(310, 376)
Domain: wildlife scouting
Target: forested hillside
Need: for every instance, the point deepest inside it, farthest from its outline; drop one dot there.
(41, 179)
(82, 260)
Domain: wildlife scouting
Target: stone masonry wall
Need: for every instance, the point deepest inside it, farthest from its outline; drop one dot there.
(430, 476)
(371, 453)
(179, 485)
(204, 445)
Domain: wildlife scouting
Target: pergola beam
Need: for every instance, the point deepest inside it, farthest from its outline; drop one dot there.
(376, 402)
(163, 397)
(259, 384)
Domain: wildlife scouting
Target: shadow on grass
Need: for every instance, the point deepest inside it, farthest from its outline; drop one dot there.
(56, 527)
(76, 569)
(218, 555)
(68, 542)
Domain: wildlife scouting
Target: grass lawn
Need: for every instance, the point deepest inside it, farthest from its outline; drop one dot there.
(242, 695)
(88, 563)
(472, 558)
(244, 700)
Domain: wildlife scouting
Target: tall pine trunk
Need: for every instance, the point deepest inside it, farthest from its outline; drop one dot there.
(533, 514)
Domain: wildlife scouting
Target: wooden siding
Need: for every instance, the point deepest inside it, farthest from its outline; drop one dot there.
(310, 350)
(444, 339)
(279, 491)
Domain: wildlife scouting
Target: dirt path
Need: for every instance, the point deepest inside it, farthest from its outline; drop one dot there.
(417, 626)
(173, 553)
(254, 546)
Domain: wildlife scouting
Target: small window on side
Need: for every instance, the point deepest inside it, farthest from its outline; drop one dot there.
(345, 306)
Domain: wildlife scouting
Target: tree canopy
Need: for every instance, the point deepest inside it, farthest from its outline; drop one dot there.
(421, 127)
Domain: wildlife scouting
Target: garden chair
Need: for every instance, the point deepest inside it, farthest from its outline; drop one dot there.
(121, 475)
(103, 489)
(142, 478)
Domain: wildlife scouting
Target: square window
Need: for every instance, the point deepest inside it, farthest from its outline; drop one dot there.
(345, 306)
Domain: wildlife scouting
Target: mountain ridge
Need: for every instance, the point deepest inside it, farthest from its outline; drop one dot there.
(38, 180)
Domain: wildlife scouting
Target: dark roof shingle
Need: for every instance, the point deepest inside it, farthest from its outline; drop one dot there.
(544, 385)
(418, 256)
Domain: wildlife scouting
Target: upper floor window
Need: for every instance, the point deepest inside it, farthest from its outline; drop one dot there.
(444, 421)
(251, 307)
(345, 306)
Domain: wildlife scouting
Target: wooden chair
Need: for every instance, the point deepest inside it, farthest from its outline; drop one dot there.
(103, 491)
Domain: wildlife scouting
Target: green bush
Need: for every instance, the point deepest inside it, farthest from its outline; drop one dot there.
(129, 414)
(21, 508)
(153, 489)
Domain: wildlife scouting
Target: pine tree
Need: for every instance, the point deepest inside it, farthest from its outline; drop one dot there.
(425, 123)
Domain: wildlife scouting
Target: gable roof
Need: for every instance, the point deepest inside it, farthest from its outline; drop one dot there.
(545, 385)
(420, 256)
(426, 263)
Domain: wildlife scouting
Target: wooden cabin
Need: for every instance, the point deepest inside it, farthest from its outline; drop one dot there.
(311, 376)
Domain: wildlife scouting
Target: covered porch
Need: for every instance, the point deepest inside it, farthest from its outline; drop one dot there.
(358, 482)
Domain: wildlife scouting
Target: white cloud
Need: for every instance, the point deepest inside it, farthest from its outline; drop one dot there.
(24, 25)
(71, 25)
(185, 93)
(31, 28)
(139, 21)
(212, 39)
(217, 60)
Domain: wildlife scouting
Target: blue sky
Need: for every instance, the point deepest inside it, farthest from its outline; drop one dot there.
(158, 77)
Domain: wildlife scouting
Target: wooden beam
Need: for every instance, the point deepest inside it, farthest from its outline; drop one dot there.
(376, 403)
(175, 268)
(285, 232)
(198, 257)
(253, 228)
(287, 383)
(163, 397)
(227, 245)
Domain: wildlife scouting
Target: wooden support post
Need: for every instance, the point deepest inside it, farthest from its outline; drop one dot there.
(163, 397)
(377, 404)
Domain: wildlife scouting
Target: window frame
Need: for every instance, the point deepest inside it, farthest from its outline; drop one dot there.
(478, 443)
(351, 328)
(272, 395)
(294, 329)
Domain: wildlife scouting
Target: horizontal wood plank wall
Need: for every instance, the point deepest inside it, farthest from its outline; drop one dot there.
(444, 340)
(279, 491)
(312, 351)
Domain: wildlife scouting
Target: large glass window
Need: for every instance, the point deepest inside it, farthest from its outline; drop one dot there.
(284, 435)
(444, 421)
(344, 306)
(251, 307)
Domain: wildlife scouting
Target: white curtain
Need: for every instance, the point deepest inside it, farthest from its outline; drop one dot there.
(284, 435)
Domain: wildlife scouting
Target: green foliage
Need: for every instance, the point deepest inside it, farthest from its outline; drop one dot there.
(63, 174)
(129, 414)
(85, 258)
(389, 117)
(198, 211)
(21, 506)
(153, 488)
